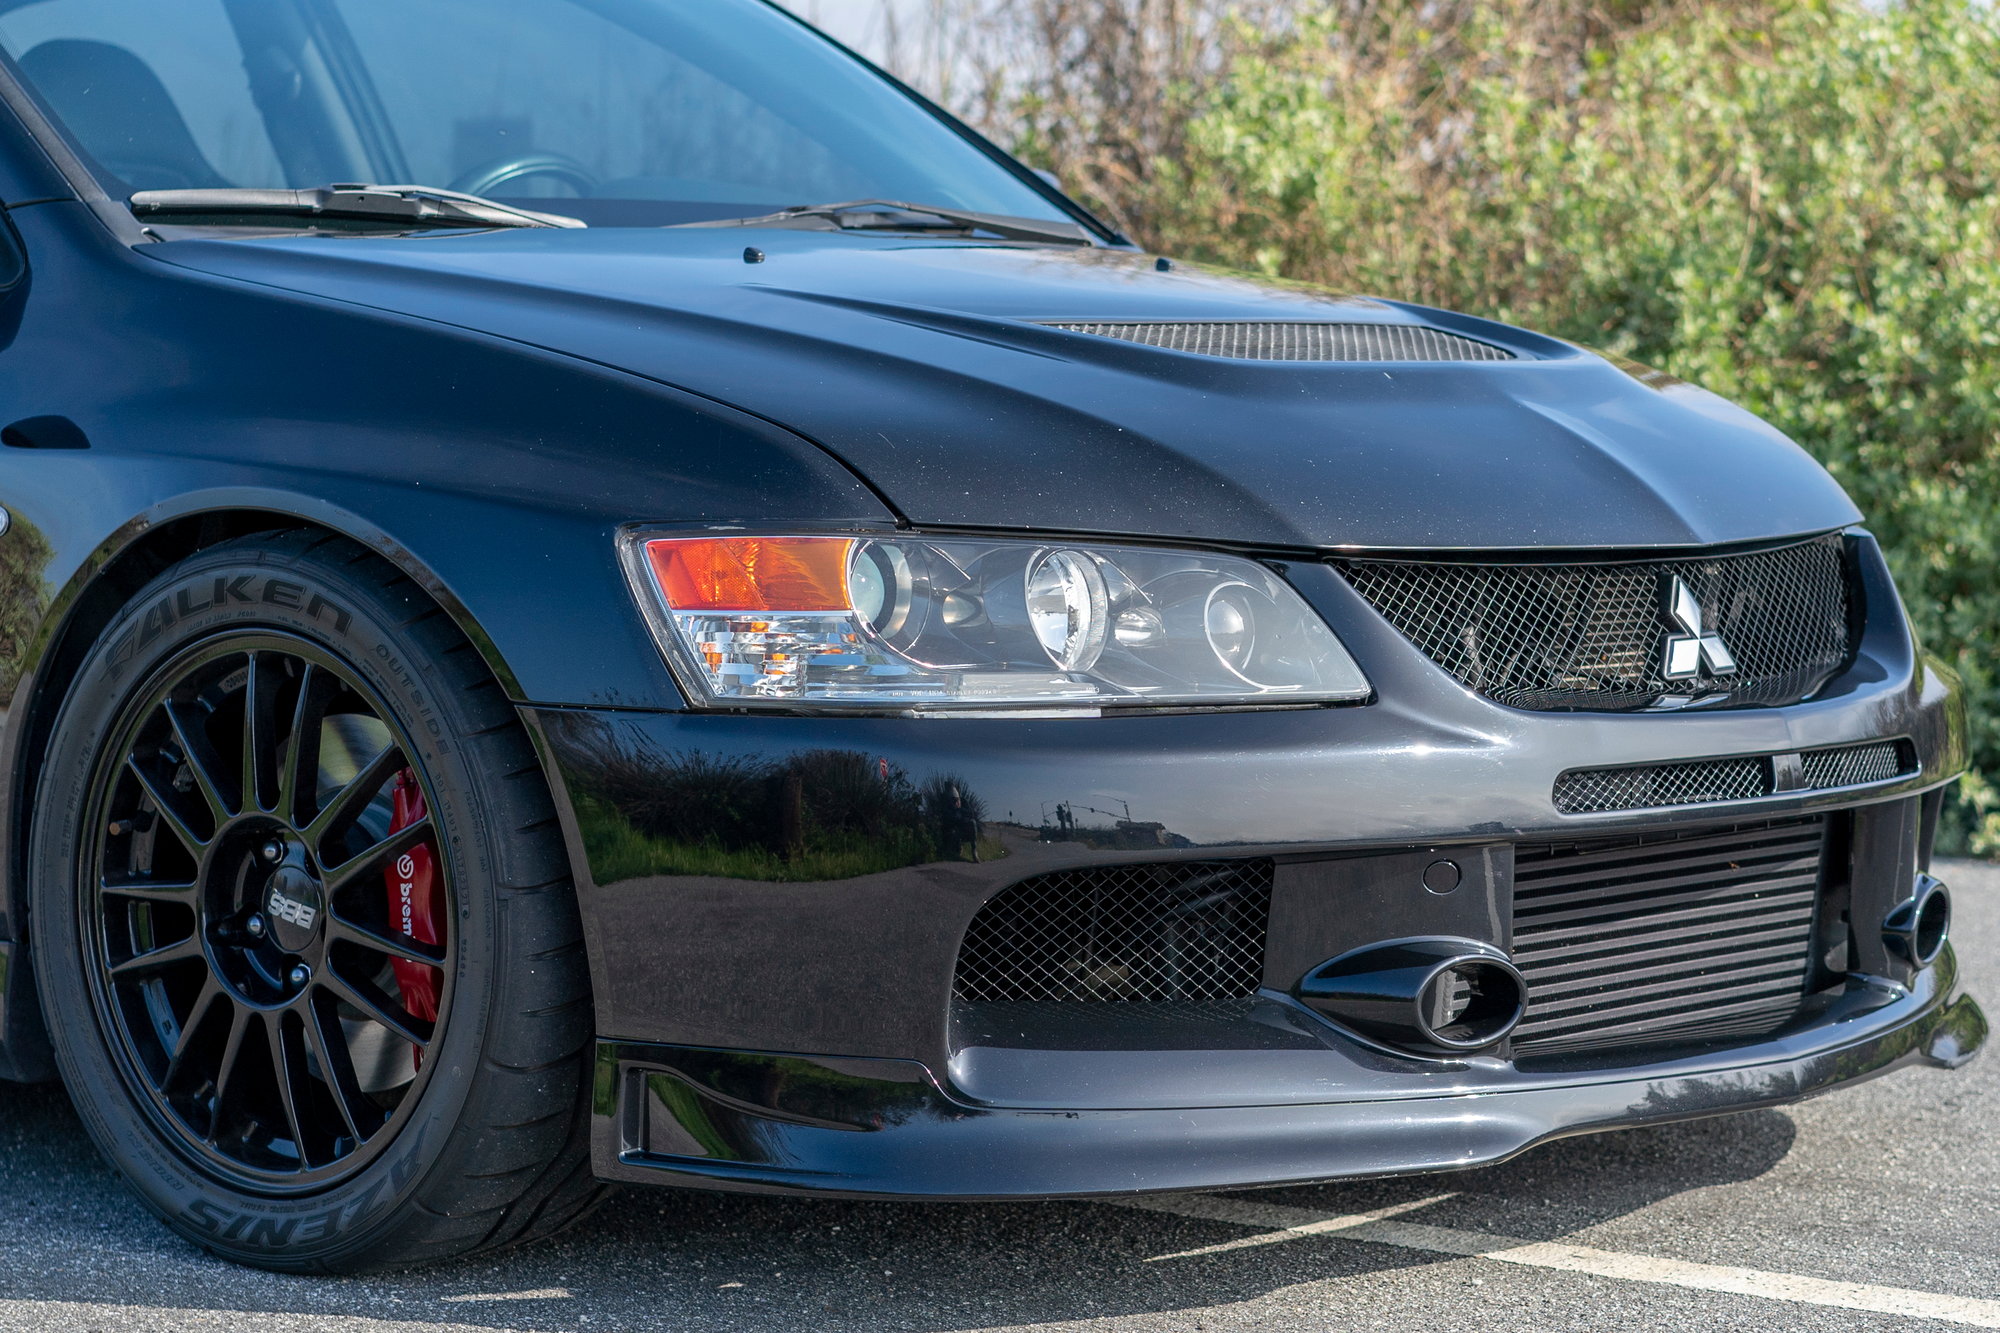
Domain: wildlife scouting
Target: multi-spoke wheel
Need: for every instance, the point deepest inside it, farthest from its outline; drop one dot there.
(247, 936)
(302, 920)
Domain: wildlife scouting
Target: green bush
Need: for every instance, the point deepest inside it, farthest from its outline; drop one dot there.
(1795, 205)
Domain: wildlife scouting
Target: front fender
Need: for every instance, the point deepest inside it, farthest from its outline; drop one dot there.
(494, 474)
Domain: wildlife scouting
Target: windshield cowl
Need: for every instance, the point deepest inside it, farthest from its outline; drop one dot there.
(895, 215)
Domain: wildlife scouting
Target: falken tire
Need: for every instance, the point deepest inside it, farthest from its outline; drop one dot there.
(490, 1147)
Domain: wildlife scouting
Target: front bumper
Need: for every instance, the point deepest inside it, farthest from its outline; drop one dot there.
(740, 908)
(743, 1120)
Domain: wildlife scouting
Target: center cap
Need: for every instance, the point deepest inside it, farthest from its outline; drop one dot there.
(293, 903)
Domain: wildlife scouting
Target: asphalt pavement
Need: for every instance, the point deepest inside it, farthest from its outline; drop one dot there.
(1877, 1207)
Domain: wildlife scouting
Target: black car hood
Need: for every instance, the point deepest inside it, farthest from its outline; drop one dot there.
(921, 364)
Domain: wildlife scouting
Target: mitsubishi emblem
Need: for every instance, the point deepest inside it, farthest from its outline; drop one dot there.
(1691, 649)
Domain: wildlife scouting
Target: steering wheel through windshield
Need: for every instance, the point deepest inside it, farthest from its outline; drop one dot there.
(492, 176)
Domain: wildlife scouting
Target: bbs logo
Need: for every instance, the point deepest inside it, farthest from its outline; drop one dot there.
(291, 910)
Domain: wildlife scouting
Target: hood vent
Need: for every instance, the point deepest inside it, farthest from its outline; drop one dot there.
(1285, 340)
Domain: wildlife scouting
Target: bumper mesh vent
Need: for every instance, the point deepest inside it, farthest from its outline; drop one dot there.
(1277, 340)
(1182, 932)
(1854, 765)
(1665, 937)
(1593, 636)
(1584, 791)
(1591, 790)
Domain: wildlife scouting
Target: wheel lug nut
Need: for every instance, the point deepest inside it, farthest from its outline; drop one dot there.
(300, 975)
(254, 926)
(274, 851)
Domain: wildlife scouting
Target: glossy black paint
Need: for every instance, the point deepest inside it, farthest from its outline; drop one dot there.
(918, 364)
(741, 1120)
(1384, 991)
(694, 950)
(491, 410)
(1357, 805)
(488, 413)
(1917, 929)
(496, 475)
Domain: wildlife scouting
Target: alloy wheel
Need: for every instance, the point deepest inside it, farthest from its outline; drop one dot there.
(270, 999)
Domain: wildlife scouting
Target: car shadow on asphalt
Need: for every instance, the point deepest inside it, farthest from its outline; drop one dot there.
(674, 1259)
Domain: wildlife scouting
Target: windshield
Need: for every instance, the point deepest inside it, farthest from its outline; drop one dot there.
(618, 112)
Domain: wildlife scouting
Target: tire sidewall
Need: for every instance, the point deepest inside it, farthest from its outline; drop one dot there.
(233, 590)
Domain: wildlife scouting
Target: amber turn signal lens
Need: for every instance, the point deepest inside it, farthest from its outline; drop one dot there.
(752, 573)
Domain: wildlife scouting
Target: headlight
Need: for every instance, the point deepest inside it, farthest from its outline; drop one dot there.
(905, 624)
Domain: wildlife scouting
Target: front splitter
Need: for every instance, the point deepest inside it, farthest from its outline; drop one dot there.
(859, 1128)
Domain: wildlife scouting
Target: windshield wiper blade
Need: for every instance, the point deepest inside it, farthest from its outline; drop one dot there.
(411, 207)
(896, 215)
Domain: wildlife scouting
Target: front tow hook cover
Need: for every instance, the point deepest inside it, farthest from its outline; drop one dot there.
(1431, 996)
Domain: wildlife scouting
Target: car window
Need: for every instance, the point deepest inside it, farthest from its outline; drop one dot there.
(654, 125)
(640, 112)
(158, 105)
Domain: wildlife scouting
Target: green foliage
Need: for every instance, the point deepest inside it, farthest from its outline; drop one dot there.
(1797, 206)
(618, 851)
(24, 554)
(810, 816)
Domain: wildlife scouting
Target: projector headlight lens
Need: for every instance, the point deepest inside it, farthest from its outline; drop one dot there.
(912, 624)
(1068, 608)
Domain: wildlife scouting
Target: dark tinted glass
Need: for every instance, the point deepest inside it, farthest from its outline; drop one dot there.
(617, 111)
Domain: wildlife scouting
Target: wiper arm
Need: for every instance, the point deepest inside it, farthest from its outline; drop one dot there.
(896, 215)
(411, 207)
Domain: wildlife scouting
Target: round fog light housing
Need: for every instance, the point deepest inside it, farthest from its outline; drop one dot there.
(1471, 1003)
(1917, 928)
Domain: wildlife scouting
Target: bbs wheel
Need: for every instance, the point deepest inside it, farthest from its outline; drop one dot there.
(303, 923)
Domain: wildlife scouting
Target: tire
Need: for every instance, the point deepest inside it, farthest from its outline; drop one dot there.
(210, 870)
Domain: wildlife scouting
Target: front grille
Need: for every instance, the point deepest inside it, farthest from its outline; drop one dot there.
(1280, 340)
(1665, 937)
(1180, 932)
(1584, 791)
(1593, 636)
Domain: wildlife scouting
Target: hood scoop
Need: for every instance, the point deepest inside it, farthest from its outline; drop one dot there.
(1292, 340)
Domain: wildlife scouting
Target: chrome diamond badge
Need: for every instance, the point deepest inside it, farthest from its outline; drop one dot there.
(1690, 650)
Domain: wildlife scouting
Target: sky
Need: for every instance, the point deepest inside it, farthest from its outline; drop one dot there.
(855, 22)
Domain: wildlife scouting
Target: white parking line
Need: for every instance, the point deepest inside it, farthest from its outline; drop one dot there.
(16, 1314)
(1283, 1222)
(1277, 1223)
(540, 1294)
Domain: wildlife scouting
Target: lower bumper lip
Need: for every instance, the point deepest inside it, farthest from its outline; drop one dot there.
(764, 1122)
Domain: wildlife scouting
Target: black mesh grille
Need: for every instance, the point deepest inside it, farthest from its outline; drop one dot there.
(1853, 765)
(1583, 791)
(1590, 790)
(1185, 932)
(1273, 340)
(1665, 937)
(1593, 636)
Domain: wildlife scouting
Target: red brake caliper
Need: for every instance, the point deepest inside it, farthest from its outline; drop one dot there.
(415, 906)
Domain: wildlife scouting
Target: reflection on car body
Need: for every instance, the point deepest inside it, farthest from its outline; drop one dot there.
(595, 592)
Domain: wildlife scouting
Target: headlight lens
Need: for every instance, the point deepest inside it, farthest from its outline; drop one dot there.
(1069, 609)
(903, 624)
